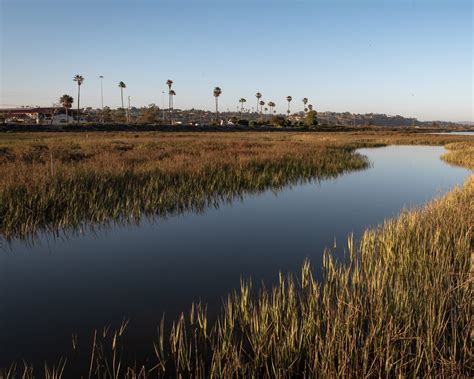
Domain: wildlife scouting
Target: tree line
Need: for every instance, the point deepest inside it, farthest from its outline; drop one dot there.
(150, 114)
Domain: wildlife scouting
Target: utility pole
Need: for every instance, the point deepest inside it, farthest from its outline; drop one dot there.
(128, 111)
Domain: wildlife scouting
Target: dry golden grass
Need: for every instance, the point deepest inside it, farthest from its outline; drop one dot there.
(26, 158)
(51, 181)
(460, 154)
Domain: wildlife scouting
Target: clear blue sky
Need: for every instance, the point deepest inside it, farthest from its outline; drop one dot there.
(413, 58)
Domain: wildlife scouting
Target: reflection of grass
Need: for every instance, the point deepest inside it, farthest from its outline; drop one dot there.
(400, 307)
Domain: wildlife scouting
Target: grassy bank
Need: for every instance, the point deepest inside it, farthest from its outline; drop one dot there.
(399, 307)
(67, 184)
(66, 181)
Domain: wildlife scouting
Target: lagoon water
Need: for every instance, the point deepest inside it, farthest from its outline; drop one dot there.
(57, 287)
(466, 133)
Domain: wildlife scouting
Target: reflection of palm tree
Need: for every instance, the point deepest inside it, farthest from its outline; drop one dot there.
(258, 95)
(169, 83)
(289, 98)
(217, 93)
(66, 102)
(79, 79)
(122, 86)
(305, 101)
(242, 101)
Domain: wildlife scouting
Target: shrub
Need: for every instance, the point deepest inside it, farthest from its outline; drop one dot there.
(243, 122)
(311, 119)
(277, 121)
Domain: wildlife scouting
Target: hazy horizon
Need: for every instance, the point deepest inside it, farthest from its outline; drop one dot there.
(412, 58)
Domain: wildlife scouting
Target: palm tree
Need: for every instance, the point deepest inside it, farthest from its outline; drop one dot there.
(169, 83)
(242, 101)
(258, 95)
(217, 93)
(310, 107)
(122, 86)
(261, 103)
(271, 105)
(289, 98)
(66, 102)
(171, 94)
(305, 101)
(79, 79)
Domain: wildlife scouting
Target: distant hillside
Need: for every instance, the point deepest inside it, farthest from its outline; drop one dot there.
(378, 119)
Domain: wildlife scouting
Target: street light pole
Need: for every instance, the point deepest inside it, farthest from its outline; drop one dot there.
(101, 91)
(163, 104)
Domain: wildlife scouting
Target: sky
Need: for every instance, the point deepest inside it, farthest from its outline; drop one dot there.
(407, 57)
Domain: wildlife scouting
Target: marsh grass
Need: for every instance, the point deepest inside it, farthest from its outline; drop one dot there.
(63, 186)
(460, 154)
(66, 182)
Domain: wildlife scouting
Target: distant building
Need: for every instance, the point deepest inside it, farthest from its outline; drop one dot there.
(40, 115)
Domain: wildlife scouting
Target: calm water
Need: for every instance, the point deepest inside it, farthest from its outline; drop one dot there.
(58, 287)
(457, 133)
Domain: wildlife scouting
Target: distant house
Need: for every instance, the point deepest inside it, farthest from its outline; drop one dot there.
(39, 115)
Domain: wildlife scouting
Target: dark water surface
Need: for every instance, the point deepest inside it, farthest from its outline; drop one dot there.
(59, 287)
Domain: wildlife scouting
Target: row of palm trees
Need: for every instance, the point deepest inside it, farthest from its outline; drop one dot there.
(260, 103)
(67, 100)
